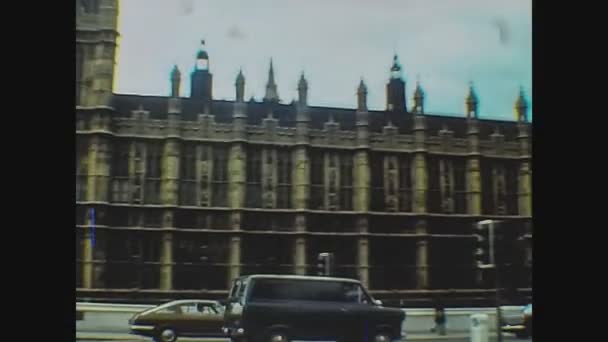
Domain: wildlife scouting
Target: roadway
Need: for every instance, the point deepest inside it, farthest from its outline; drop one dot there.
(121, 337)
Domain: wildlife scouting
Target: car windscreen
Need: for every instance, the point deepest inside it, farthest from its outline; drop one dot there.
(308, 290)
(238, 289)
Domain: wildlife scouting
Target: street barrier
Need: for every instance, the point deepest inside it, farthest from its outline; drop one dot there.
(479, 328)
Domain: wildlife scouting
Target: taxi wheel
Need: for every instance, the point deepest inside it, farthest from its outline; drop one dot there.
(166, 335)
(382, 337)
(277, 336)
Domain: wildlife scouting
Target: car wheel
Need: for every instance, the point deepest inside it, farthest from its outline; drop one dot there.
(382, 337)
(167, 335)
(277, 336)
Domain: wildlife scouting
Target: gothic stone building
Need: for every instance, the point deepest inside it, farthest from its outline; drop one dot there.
(178, 195)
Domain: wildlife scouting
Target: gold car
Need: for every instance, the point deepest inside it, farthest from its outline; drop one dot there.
(180, 318)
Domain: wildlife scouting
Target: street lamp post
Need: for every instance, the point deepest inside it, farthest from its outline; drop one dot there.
(493, 264)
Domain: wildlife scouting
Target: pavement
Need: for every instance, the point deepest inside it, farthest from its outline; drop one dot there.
(121, 337)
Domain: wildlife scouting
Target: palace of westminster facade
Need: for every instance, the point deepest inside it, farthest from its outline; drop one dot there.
(182, 194)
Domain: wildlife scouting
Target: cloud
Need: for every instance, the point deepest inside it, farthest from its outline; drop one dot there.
(186, 7)
(503, 31)
(236, 33)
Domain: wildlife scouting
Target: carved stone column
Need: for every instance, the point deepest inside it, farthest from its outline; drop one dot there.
(98, 169)
(473, 173)
(236, 178)
(166, 253)
(422, 262)
(300, 245)
(170, 172)
(363, 251)
(420, 196)
(87, 260)
(525, 171)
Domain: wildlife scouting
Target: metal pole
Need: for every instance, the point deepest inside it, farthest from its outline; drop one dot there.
(497, 284)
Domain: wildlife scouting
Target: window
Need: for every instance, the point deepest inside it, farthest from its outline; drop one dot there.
(153, 173)
(512, 187)
(204, 180)
(153, 218)
(199, 261)
(82, 157)
(309, 290)
(284, 179)
(220, 177)
(446, 183)
(434, 200)
(451, 264)
(377, 182)
(346, 181)
(332, 181)
(253, 196)
(122, 260)
(187, 177)
(391, 255)
(487, 187)
(391, 183)
(316, 180)
(79, 72)
(405, 183)
(80, 236)
(120, 172)
(460, 186)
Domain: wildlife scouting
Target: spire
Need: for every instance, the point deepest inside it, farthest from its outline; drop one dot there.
(240, 87)
(272, 94)
(271, 74)
(418, 99)
(521, 106)
(396, 68)
(202, 58)
(176, 77)
(472, 103)
(395, 89)
(302, 90)
(201, 80)
(362, 97)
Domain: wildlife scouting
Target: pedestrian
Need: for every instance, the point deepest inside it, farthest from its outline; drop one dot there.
(440, 320)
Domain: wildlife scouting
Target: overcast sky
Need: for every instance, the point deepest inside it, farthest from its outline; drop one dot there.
(444, 43)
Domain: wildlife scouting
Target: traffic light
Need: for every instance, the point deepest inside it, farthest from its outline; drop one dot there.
(324, 264)
(482, 245)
